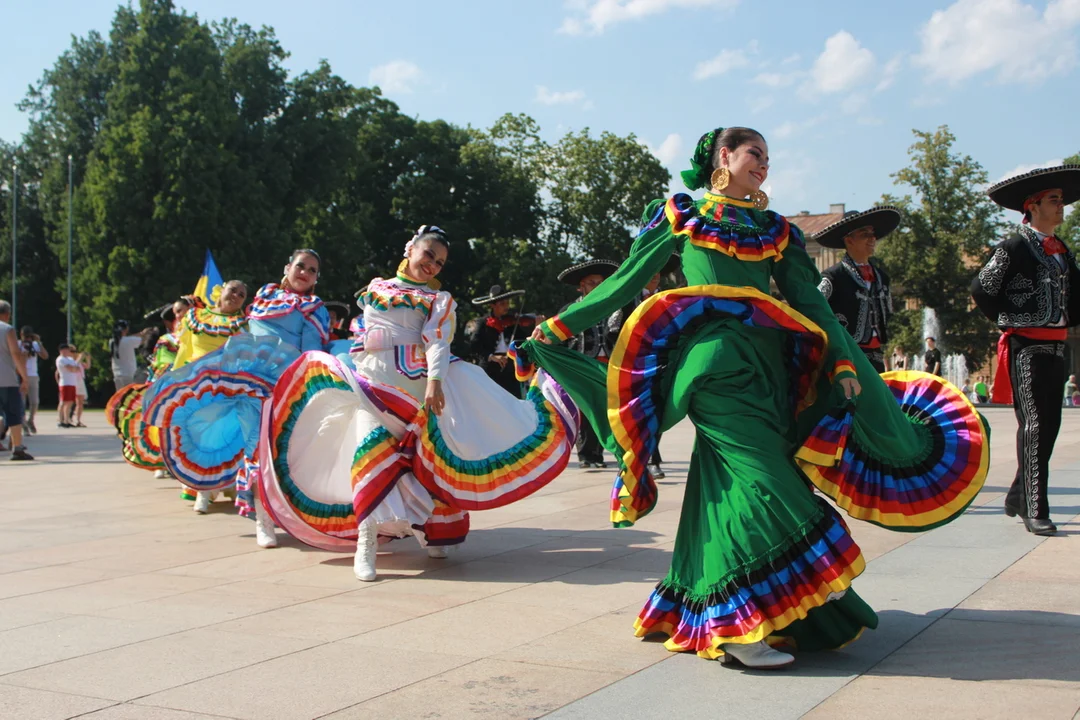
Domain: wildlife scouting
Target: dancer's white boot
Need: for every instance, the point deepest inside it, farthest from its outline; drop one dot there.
(264, 527)
(437, 551)
(755, 655)
(367, 544)
(202, 502)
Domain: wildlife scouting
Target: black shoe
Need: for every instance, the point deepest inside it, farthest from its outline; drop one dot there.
(1011, 510)
(64, 425)
(601, 465)
(1040, 527)
(20, 453)
(584, 465)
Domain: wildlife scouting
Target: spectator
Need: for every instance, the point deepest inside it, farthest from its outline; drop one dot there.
(966, 390)
(1071, 389)
(122, 347)
(982, 393)
(32, 350)
(80, 386)
(67, 372)
(932, 358)
(13, 384)
(899, 359)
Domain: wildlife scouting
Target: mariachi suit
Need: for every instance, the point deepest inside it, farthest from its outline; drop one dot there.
(1028, 293)
(493, 337)
(863, 306)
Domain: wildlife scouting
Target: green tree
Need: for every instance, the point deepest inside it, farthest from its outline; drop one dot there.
(949, 224)
(1069, 232)
(599, 187)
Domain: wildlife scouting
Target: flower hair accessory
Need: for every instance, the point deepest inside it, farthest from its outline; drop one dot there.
(697, 176)
(421, 232)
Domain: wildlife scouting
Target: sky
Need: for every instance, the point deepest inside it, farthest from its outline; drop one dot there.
(835, 87)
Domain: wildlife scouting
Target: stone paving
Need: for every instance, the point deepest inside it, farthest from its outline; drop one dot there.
(118, 602)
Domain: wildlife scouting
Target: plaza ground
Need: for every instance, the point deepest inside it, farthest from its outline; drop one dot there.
(118, 602)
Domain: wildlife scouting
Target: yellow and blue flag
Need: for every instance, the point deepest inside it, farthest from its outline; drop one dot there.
(209, 286)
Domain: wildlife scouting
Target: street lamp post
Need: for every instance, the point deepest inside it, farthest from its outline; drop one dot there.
(14, 241)
(71, 195)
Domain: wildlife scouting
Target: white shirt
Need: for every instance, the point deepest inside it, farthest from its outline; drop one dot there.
(401, 313)
(31, 360)
(124, 364)
(69, 370)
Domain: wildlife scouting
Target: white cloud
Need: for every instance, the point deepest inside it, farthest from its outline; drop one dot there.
(791, 59)
(670, 151)
(398, 76)
(776, 80)
(1008, 37)
(843, 65)
(888, 74)
(853, 103)
(593, 16)
(1020, 169)
(761, 103)
(792, 127)
(726, 60)
(549, 97)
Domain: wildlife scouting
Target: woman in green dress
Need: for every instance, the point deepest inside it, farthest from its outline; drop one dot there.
(772, 390)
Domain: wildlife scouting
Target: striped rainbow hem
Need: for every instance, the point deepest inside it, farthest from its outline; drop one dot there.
(842, 366)
(638, 360)
(498, 479)
(754, 604)
(923, 491)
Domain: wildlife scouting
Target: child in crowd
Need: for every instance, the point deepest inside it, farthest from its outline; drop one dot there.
(67, 375)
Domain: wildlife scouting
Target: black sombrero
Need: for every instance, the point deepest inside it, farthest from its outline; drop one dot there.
(339, 305)
(1012, 193)
(573, 275)
(496, 294)
(884, 219)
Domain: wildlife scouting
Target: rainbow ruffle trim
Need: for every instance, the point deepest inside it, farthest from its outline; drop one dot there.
(639, 359)
(755, 602)
(919, 493)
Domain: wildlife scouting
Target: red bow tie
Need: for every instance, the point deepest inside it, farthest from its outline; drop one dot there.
(1052, 246)
(867, 273)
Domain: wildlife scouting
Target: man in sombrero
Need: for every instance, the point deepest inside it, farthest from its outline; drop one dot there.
(595, 342)
(490, 337)
(857, 287)
(339, 319)
(1030, 289)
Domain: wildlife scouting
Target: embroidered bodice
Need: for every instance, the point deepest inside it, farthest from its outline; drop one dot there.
(299, 320)
(204, 330)
(407, 317)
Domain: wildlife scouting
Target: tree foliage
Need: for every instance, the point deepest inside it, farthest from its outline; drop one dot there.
(188, 135)
(1069, 232)
(949, 225)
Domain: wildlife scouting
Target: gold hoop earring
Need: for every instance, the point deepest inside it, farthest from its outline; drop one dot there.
(760, 200)
(720, 179)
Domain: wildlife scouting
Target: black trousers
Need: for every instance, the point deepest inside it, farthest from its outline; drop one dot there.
(876, 357)
(589, 448)
(504, 376)
(1037, 373)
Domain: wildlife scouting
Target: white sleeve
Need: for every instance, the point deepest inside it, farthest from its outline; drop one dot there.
(437, 334)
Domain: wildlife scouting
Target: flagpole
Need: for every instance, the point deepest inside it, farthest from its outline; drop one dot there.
(71, 195)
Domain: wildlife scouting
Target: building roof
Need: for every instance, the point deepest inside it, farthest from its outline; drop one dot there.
(811, 224)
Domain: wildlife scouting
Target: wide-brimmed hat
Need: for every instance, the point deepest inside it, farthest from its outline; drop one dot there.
(497, 293)
(573, 275)
(884, 219)
(1012, 193)
(341, 306)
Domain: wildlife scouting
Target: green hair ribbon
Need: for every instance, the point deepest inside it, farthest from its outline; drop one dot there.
(697, 176)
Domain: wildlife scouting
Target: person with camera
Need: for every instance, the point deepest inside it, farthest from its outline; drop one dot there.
(32, 349)
(13, 385)
(122, 348)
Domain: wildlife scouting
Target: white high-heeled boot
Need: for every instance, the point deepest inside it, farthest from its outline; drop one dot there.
(264, 527)
(437, 552)
(367, 543)
(755, 655)
(202, 502)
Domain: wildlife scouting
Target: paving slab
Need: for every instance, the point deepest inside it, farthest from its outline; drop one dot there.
(117, 602)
